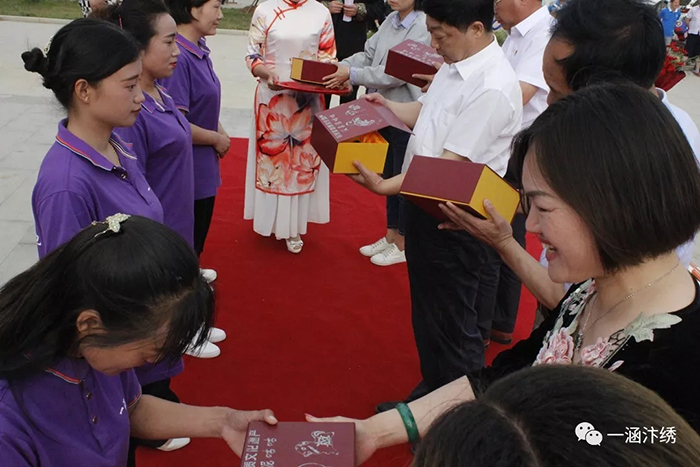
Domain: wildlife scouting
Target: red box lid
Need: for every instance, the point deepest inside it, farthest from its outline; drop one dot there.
(313, 71)
(436, 179)
(299, 444)
(417, 51)
(356, 118)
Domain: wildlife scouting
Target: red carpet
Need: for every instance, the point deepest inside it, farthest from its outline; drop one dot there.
(323, 332)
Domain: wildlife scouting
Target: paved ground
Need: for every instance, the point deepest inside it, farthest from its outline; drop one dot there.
(29, 115)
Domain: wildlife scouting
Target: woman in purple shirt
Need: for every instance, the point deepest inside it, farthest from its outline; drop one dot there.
(120, 294)
(90, 173)
(161, 138)
(196, 90)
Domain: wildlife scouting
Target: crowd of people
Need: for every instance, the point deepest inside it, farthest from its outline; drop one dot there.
(566, 110)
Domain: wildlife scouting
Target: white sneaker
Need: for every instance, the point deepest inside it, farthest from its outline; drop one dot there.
(209, 275)
(391, 255)
(206, 350)
(376, 247)
(216, 335)
(174, 444)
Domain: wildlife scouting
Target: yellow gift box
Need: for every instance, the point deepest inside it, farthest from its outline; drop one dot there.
(350, 132)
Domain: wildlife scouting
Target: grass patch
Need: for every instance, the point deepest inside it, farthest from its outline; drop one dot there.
(234, 18)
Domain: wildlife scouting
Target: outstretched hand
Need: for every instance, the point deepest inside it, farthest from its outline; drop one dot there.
(365, 441)
(368, 179)
(495, 232)
(236, 426)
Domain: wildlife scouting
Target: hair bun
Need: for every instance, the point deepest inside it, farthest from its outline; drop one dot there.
(35, 61)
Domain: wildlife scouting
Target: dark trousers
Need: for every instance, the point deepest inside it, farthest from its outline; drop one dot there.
(395, 209)
(203, 212)
(692, 45)
(509, 286)
(159, 389)
(453, 279)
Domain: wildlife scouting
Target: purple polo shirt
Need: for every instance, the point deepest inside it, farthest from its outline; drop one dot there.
(161, 139)
(77, 185)
(196, 90)
(70, 415)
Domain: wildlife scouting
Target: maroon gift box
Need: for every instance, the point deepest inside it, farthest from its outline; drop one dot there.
(299, 444)
(311, 71)
(431, 181)
(409, 58)
(349, 133)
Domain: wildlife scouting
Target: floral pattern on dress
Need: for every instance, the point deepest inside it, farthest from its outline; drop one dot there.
(558, 345)
(285, 157)
(280, 30)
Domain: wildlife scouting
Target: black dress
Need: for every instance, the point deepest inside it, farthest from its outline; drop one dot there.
(668, 365)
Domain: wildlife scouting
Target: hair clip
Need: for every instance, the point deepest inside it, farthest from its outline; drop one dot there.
(113, 223)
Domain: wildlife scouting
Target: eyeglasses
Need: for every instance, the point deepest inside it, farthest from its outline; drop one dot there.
(525, 202)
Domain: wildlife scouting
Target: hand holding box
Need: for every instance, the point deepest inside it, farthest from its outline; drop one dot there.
(431, 181)
(349, 133)
(292, 444)
(410, 58)
(311, 71)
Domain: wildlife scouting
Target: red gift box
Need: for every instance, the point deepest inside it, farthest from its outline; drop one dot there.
(349, 133)
(297, 444)
(409, 58)
(311, 71)
(431, 181)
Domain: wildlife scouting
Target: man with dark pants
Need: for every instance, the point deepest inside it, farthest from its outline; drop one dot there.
(470, 113)
(528, 24)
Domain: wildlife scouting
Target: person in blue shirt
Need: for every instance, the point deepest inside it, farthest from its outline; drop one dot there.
(669, 16)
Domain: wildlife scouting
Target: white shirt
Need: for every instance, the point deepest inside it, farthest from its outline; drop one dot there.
(693, 17)
(473, 108)
(524, 49)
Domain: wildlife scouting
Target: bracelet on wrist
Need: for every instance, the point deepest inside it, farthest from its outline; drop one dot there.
(409, 422)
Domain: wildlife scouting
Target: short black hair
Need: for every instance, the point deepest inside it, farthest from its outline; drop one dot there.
(460, 13)
(529, 419)
(418, 5)
(137, 17)
(610, 38)
(181, 10)
(640, 190)
(87, 49)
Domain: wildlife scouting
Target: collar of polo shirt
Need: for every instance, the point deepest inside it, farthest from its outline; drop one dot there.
(79, 147)
(70, 370)
(528, 23)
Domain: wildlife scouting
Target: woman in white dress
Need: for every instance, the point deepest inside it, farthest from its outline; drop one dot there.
(287, 185)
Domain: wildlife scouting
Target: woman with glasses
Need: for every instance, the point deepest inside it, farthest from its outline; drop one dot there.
(613, 189)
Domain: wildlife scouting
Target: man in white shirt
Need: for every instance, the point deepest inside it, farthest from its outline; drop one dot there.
(470, 113)
(585, 49)
(692, 44)
(529, 27)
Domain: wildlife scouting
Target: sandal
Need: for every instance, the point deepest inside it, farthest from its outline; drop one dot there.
(294, 245)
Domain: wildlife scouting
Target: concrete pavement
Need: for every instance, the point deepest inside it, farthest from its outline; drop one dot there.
(29, 115)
